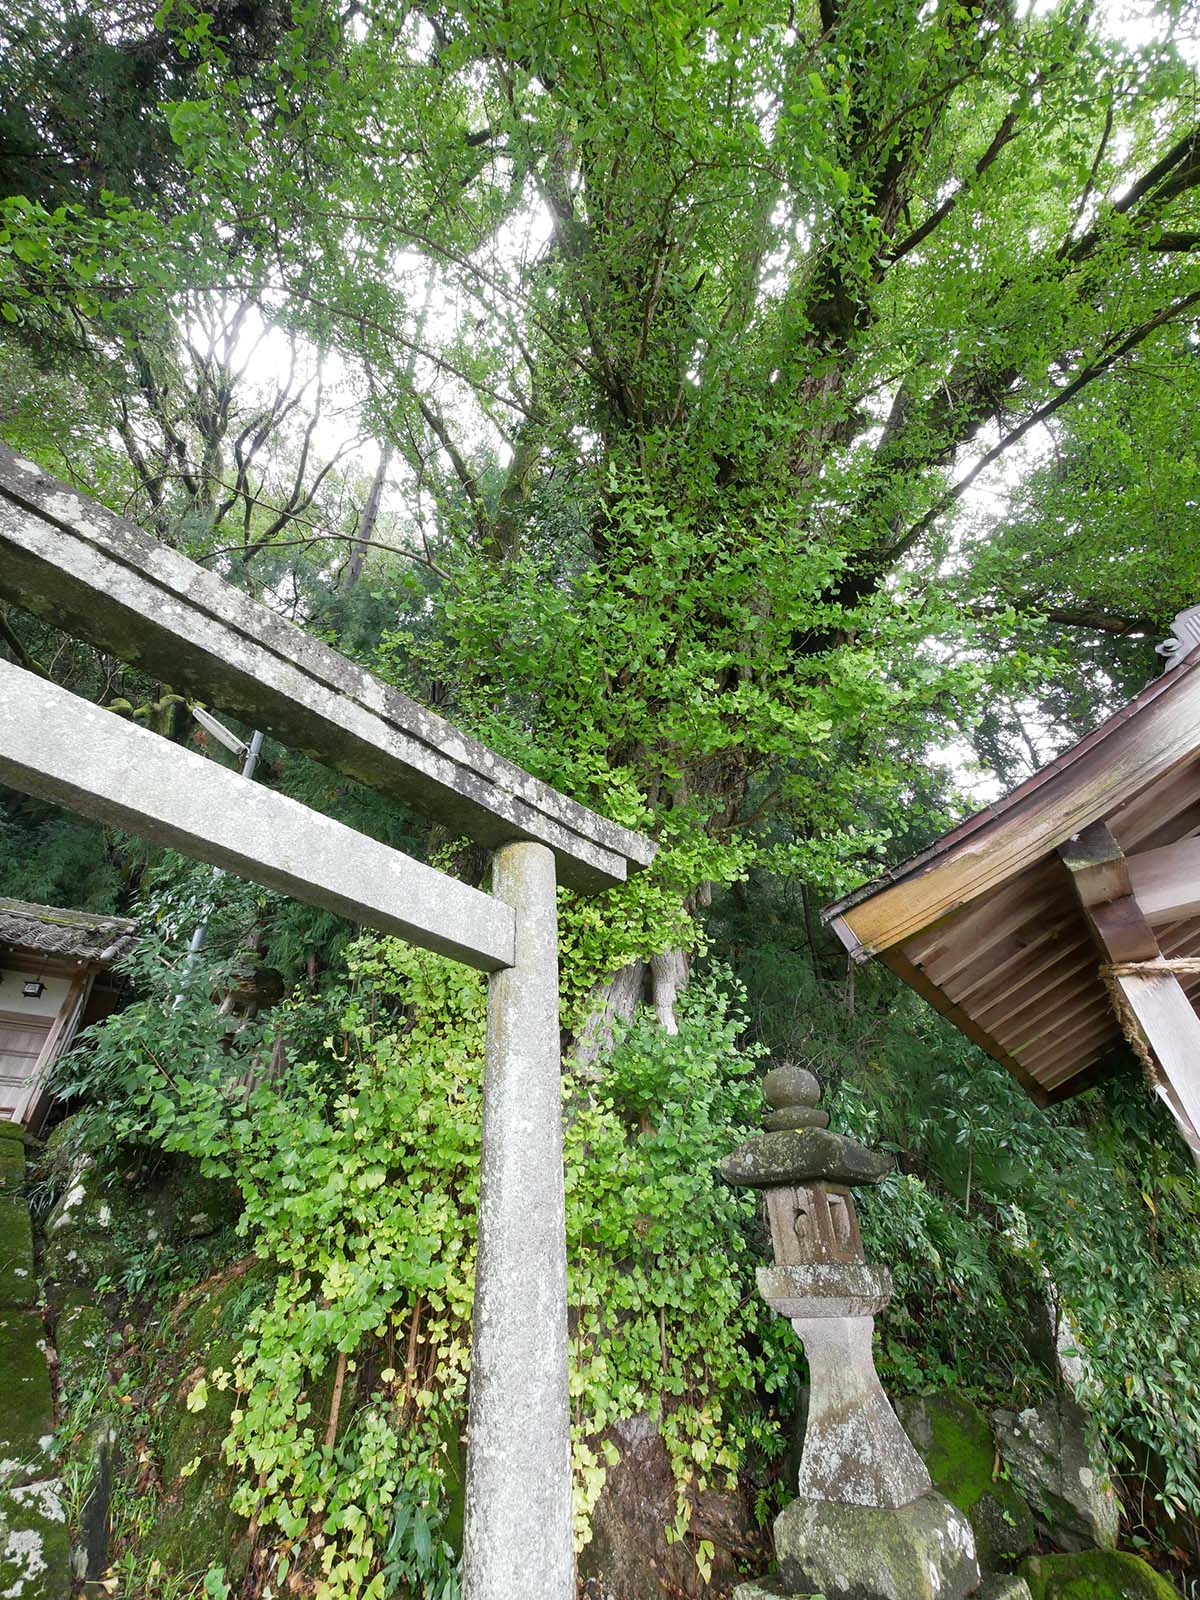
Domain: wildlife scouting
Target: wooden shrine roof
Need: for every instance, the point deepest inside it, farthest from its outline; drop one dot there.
(986, 923)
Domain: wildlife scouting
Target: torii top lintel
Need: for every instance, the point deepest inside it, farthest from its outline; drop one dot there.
(86, 570)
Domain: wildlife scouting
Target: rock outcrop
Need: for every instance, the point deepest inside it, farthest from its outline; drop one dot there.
(628, 1556)
(954, 1440)
(920, 1552)
(1095, 1575)
(1049, 1453)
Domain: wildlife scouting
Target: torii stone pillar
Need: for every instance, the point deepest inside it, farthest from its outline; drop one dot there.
(518, 1537)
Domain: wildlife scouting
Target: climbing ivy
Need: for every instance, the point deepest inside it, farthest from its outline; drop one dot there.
(359, 1169)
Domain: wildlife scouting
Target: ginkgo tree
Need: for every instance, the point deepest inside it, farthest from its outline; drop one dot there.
(692, 331)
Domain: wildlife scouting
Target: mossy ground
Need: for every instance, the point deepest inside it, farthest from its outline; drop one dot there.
(1095, 1575)
(27, 1417)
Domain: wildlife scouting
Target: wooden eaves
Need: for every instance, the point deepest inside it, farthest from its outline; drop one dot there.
(1006, 923)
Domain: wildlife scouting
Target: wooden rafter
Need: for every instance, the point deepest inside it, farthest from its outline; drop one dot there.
(1103, 880)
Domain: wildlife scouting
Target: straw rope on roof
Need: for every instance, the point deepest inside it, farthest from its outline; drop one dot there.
(59, 931)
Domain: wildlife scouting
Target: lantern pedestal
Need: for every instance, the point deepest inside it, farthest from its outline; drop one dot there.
(922, 1551)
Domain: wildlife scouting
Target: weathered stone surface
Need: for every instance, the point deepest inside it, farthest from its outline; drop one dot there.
(89, 1550)
(1049, 1335)
(924, 1551)
(18, 1286)
(825, 1289)
(519, 1478)
(795, 1117)
(1095, 1575)
(186, 1205)
(790, 1085)
(1003, 1586)
(81, 1337)
(35, 1554)
(954, 1440)
(66, 750)
(764, 1589)
(1048, 1453)
(800, 1155)
(855, 1451)
(81, 1247)
(628, 1557)
(27, 1413)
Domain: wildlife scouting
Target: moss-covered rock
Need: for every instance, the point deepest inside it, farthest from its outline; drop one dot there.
(1003, 1586)
(196, 1526)
(81, 1337)
(185, 1205)
(118, 1210)
(954, 1440)
(26, 1408)
(1095, 1575)
(18, 1285)
(35, 1551)
(81, 1245)
(12, 1159)
(923, 1551)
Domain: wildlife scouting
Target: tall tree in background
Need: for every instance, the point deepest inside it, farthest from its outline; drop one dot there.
(690, 330)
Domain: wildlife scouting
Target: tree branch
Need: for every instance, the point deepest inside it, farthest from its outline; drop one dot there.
(1086, 376)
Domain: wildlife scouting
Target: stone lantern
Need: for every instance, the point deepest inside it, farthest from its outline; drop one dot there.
(866, 1523)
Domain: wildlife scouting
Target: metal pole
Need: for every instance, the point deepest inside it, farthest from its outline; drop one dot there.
(518, 1537)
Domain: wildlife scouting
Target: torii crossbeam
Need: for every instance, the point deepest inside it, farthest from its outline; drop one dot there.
(77, 565)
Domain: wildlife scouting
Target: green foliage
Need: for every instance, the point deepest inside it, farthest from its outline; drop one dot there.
(359, 1171)
(684, 331)
(54, 859)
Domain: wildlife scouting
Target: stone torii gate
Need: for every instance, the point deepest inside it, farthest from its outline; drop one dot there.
(76, 565)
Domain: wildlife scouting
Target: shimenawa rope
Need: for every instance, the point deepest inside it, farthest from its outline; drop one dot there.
(1126, 1016)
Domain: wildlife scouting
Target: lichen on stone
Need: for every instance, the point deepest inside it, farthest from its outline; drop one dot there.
(34, 1544)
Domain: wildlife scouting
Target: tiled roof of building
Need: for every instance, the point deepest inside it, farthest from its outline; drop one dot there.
(59, 931)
